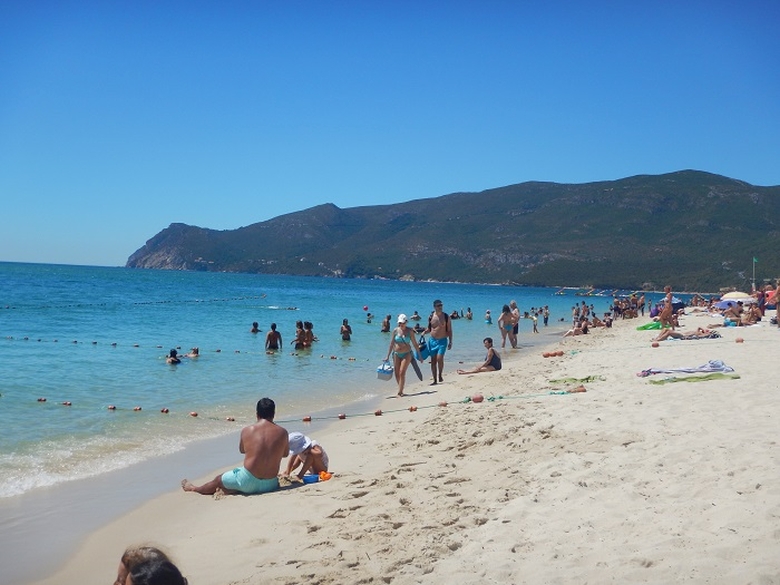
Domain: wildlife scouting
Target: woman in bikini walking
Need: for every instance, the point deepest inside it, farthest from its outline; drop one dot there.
(401, 344)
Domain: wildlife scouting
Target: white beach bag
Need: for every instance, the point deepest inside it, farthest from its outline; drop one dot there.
(385, 371)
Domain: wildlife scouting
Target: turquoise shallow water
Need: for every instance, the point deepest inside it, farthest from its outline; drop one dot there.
(96, 337)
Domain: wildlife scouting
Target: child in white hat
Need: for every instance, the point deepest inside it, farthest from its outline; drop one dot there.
(308, 454)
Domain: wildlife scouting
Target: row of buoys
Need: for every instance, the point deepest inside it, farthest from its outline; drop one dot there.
(378, 412)
(163, 410)
(549, 354)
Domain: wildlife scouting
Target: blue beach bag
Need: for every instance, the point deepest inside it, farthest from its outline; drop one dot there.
(425, 353)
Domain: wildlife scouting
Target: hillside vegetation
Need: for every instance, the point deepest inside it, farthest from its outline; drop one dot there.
(690, 229)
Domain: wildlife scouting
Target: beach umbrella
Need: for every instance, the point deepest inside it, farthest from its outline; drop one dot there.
(735, 296)
(724, 304)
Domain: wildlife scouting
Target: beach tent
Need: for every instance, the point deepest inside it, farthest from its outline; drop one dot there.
(736, 296)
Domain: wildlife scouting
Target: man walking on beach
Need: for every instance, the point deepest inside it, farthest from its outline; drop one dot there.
(440, 330)
(264, 445)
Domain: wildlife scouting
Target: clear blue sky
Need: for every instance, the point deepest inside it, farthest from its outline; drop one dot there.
(119, 118)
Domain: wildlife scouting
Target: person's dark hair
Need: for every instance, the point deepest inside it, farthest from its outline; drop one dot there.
(136, 554)
(266, 408)
(506, 309)
(273, 326)
(172, 353)
(437, 302)
(156, 572)
(489, 340)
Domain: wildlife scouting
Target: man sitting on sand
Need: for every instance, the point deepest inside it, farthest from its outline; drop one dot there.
(492, 360)
(264, 445)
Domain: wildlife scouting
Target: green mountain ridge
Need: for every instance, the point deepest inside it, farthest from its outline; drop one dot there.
(691, 229)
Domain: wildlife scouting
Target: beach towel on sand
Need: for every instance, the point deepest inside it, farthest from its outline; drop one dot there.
(704, 378)
(710, 366)
(577, 380)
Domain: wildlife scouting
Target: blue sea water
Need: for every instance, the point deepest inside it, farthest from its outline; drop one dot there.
(96, 336)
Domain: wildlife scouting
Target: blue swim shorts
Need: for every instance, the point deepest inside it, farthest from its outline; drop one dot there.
(438, 346)
(240, 480)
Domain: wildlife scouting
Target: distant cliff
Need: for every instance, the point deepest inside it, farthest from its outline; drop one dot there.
(694, 230)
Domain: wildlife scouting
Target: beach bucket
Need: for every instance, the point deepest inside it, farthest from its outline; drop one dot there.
(384, 371)
(311, 478)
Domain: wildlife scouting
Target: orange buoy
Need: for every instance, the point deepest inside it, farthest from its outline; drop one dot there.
(164, 410)
(378, 412)
(477, 398)
(342, 416)
(412, 409)
(111, 407)
(193, 414)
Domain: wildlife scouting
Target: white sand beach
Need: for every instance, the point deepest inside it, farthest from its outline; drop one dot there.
(627, 482)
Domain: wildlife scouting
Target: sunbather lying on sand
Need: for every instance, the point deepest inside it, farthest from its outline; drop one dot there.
(700, 334)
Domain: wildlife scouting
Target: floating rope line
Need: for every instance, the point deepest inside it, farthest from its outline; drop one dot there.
(142, 303)
(114, 345)
(341, 416)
